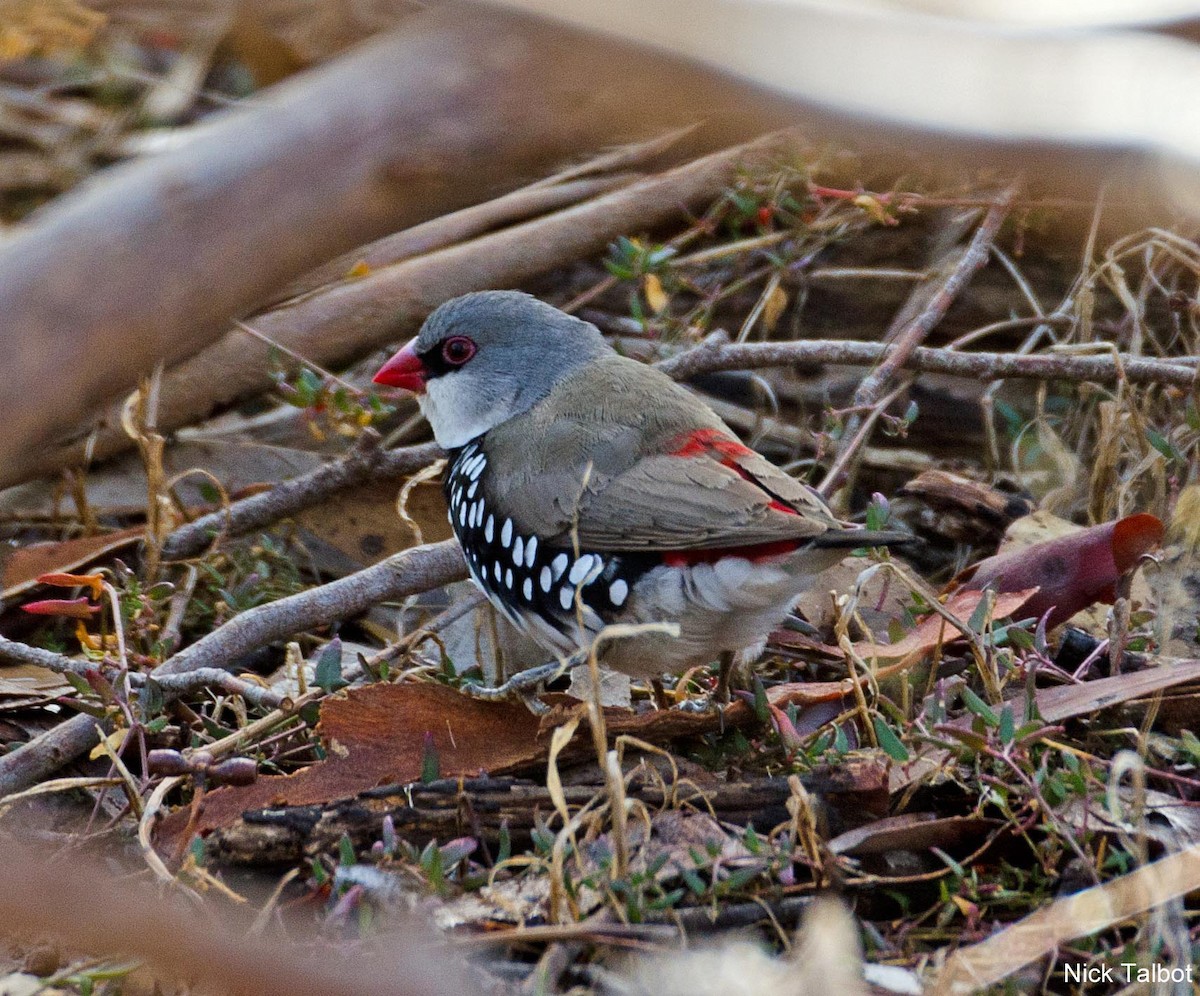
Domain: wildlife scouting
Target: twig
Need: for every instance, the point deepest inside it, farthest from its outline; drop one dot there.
(407, 573)
(915, 331)
(13, 652)
(213, 677)
(856, 442)
(974, 366)
(365, 461)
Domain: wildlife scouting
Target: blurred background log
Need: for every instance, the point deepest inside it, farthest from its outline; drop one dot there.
(83, 906)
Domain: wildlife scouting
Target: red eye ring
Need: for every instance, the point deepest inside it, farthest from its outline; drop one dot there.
(457, 350)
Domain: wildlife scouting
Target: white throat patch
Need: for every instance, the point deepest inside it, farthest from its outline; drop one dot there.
(455, 417)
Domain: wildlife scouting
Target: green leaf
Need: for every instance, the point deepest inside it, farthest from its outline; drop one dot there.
(328, 671)
(841, 743)
(151, 699)
(79, 683)
(1164, 445)
(762, 708)
(504, 844)
(431, 764)
(158, 724)
(751, 841)
(982, 611)
(1007, 729)
(666, 901)
(346, 855)
(889, 743)
(980, 708)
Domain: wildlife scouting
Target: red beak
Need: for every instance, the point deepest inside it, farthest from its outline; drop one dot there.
(405, 370)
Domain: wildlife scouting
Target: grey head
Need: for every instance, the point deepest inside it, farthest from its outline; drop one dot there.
(488, 356)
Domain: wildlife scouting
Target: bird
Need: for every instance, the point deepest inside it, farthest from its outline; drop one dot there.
(589, 490)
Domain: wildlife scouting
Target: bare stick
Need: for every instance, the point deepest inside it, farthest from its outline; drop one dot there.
(365, 462)
(407, 573)
(569, 186)
(1106, 369)
(448, 230)
(907, 338)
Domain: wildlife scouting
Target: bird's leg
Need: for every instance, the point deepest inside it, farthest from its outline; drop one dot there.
(721, 695)
(525, 685)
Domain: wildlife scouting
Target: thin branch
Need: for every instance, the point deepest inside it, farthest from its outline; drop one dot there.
(366, 461)
(213, 678)
(907, 338)
(1108, 369)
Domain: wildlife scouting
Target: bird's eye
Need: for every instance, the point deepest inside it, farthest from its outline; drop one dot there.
(457, 350)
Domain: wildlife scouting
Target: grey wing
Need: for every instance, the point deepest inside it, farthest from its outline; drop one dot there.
(688, 503)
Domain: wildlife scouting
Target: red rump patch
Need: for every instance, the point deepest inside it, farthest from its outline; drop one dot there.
(757, 552)
(714, 443)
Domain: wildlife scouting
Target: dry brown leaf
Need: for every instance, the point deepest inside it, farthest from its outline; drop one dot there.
(377, 735)
(1073, 570)
(912, 832)
(957, 509)
(24, 686)
(1067, 701)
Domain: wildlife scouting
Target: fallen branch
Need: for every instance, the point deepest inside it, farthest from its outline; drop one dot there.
(440, 810)
(407, 573)
(553, 193)
(13, 652)
(361, 146)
